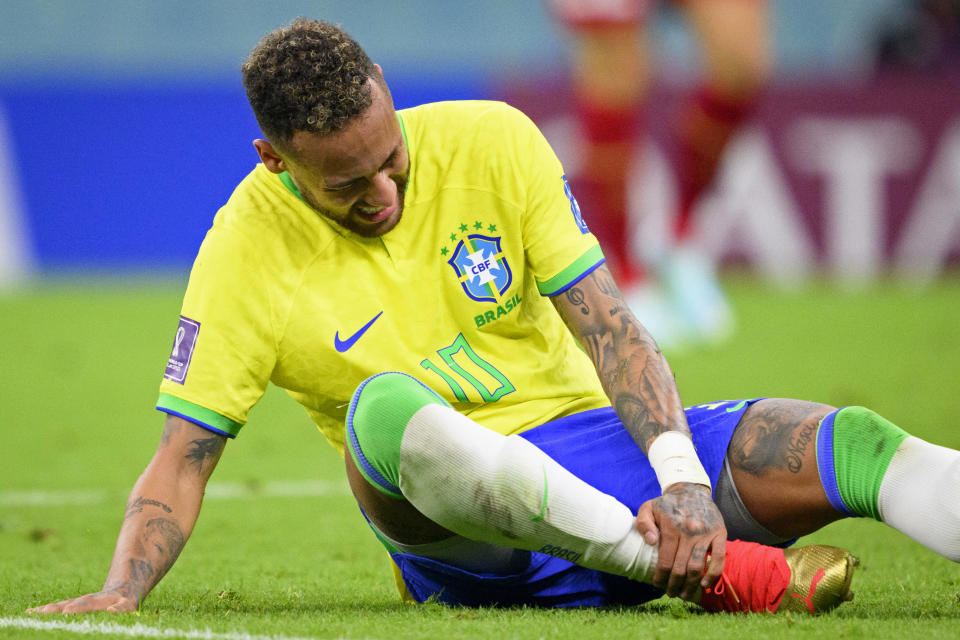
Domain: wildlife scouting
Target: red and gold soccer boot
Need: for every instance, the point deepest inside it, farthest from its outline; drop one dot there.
(758, 578)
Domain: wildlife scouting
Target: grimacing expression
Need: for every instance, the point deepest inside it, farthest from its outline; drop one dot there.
(356, 176)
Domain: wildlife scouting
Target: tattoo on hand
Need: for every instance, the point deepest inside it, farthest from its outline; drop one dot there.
(137, 505)
(693, 512)
(204, 448)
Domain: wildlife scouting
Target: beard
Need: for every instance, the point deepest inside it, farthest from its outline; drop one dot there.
(353, 221)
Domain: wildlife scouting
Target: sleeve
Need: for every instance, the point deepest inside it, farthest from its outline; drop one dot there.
(559, 247)
(224, 348)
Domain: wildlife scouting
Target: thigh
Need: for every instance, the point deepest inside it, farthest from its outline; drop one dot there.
(772, 458)
(734, 35)
(595, 447)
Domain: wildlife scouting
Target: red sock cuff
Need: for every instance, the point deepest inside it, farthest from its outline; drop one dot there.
(603, 124)
(724, 109)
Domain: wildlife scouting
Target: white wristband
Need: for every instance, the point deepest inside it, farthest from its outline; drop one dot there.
(674, 460)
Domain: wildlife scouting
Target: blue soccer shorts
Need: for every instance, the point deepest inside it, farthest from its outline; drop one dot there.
(595, 447)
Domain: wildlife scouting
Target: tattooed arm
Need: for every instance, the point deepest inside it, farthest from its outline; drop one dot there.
(160, 516)
(641, 388)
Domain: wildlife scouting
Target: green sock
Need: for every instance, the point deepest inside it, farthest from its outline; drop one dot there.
(863, 445)
(378, 415)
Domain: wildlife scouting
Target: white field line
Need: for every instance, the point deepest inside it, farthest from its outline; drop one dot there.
(137, 630)
(215, 491)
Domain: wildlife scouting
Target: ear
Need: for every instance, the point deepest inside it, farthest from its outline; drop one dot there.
(379, 70)
(269, 156)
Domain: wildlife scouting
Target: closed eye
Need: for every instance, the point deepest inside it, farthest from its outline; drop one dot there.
(346, 186)
(343, 187)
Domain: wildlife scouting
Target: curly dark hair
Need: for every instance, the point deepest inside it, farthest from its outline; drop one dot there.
(308, 76)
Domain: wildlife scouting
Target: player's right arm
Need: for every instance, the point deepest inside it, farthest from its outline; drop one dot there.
(161, 512)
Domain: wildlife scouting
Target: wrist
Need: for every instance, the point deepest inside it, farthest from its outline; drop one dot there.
(674, 460)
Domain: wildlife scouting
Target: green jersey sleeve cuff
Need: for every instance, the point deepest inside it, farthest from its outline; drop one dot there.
(200, 416)
(581, 268)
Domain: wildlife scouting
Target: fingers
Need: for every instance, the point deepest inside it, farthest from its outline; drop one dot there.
(666, 560)
(718, 555)
(680, 566)
(80, 605)
(87, 603)
(687, 575)
(53, 607)
(646, 524)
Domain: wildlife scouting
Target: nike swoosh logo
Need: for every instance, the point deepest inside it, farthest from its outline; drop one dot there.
(343, 345)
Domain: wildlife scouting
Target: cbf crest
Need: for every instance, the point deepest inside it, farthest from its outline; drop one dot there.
(481, 268)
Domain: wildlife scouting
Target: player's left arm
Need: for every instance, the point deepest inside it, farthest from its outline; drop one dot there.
(642, 390)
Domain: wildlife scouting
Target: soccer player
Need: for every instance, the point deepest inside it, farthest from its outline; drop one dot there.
(423, 283)
(611, 72)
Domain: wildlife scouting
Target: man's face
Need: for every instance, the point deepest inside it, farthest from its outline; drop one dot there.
(356, 176)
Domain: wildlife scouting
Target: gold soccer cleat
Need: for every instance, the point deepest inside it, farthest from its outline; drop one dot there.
(756, 578)
(820, 579)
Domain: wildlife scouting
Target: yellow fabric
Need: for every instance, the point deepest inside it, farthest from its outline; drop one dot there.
(274, 282)
(402, 590)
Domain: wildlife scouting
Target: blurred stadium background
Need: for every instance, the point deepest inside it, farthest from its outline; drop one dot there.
(123, 125)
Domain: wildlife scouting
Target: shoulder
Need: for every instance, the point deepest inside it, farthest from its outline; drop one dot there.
(268, 219)
(464, 120)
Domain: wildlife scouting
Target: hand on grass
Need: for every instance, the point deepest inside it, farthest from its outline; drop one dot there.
(100, 601)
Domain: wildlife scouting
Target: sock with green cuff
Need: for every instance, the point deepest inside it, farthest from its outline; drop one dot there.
(871, 467)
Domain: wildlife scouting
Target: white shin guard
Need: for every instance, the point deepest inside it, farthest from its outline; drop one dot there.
(505, 491)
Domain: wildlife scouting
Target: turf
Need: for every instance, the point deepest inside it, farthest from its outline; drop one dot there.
(80, 366)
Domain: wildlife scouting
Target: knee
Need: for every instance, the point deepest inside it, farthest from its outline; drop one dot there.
(378, 414)
(868, 426)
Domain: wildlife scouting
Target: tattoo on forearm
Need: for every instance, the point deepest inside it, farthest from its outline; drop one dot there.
(166, 537)
(635, 414)
(204, 448)
(170, 427)
(141, 576)
(136, 506)
(575, 296)
(157, 549)
(642, 406)
(620, 371)
(632, 370)
(606, 284)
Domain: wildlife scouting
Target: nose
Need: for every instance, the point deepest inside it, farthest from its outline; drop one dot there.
(382, 192)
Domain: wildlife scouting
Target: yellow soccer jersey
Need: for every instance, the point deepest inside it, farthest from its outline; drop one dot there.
(457, 294)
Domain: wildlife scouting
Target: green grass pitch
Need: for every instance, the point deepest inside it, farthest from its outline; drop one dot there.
(280, 548)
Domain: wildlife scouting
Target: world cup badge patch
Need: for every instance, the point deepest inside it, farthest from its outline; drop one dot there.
(481, 268)
(183, 344)
(574, 207)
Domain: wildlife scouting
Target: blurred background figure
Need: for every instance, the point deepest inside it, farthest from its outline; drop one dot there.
(674, 290)
(921, 36)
